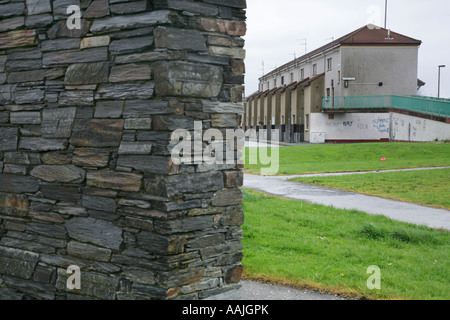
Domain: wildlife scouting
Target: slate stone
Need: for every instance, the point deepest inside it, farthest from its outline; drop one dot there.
(147, 164)
(131, 21)
(17, 38)
(61, 193)
(7, 92)
(87, 73)
(87, 251)
(60, 44)
(57, 123)
(92, 42)
(25, 117)
(56, 173)
(159, 244)
(179, 39)
(122, 91)
(42, 144)
(87, 157)
(179, 184)
(138, 124)
(8, 138)
(17, 263)
(97, 9)
(129, 7)
(130, 45)
(97, 133)
(222, 107)
(12, 9)
(4, 117)
(22, 158)
(22, 65)
(194, 7)
(183, 225)
(100, 232)
(109, 109)
(135, 148)
(13, 205)
(47, 230)
(68, 57)
(11, 23)
(140, 107)
(26, 76)
(76, 98)
(31, 96)
(38, 6)
(224, 120)
(99, 203)
(187, 79)
(130, 72)
(60, 7)
(39, 21)
(227, 197)
(115, 180)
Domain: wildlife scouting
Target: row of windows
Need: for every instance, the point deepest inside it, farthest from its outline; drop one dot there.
(302, 75)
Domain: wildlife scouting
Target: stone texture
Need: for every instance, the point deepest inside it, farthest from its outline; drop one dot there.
(38, 6)
(41, 144)
(8, 138)
(124, 46)
(13, 205)
(187, 79)
(93, 42)
(83, 56)
(17, 263)
(17, 184)
(87, 251)
(130, 72)
(66, 173)
(18, 38)
(109, 109)
(179, 39)
(57, 123)
(89, 157)
(114, 180)
(87, 73)
(97, 133)
(99, 232)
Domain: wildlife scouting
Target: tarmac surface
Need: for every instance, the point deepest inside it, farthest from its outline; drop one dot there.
(396, 210)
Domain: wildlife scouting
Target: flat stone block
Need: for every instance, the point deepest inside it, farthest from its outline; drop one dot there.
(97, 133)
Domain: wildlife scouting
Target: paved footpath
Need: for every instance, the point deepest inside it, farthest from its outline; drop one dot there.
(396, 210)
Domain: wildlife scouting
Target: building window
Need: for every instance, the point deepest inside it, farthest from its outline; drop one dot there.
(328, 92)
(307, 122)
(292, 77)
(282, 80)
(275, 83)
(302, 74)
(314, 72)
(330, 64)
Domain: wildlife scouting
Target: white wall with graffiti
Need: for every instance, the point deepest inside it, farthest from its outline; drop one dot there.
(415, 129)
(352, 126)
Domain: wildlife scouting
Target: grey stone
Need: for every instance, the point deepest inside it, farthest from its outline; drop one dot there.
(61, 193)
(140, 107)
(227, 197)
(17, 38)
(122, 91)
(41, 144)
(179, 39)
(87, 157)
(97, 133)
(131, 21)
(25, 117)
(129, 7)
(87, 251)
(135, 148)
(76, 98)
(26, 76)
(4, 117)
(147, 164)
(22, 158)
(60, 7)
(97, 9)
(194, 7)
(57, 123)
(17, 263)
(22, 65)
(38, 6)
(138, 124)
(8, 138)
(32, 96)
(60, 30)
(87, 73)
(39, 21)
(12, 9)
(99, 232)
(99, 203)
(7, 92)
(56, 173)
(93, 285)
(130, 45)
(109, 109)
(25, 54)
(68, 57)
(183, 225)
(222, 107)
(11, 23)
(115, 180)
(60, 44)
(130, 72)
(187, 79)
(47, 230)
(159, 244)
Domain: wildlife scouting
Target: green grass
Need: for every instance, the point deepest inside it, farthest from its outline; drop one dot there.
(429, 187)
(355, 157)
(319, 247)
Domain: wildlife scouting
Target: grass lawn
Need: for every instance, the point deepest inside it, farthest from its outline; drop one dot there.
(353, 157)
(319, 247)
(430, 187)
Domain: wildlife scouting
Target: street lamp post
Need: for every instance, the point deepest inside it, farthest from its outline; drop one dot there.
(439, 80)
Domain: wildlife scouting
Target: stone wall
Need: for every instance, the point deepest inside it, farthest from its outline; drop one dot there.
(86, 176)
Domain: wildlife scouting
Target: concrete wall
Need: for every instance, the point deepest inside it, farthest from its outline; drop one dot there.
(351, 126)
(86, 174)
(396, 67)
(417, 129)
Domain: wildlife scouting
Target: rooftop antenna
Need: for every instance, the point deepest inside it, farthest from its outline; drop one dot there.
(304, 43)
(385, 13)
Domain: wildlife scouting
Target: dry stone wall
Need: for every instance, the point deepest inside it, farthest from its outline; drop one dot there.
(86, 175)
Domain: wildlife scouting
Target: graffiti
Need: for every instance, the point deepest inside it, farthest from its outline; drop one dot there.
(382, 125)
(348, 123)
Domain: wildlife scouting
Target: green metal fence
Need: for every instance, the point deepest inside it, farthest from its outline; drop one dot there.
(429, 105)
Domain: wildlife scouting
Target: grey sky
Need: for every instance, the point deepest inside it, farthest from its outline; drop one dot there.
(276, 29)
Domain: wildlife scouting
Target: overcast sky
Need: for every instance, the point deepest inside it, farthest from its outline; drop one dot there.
(277, 29)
